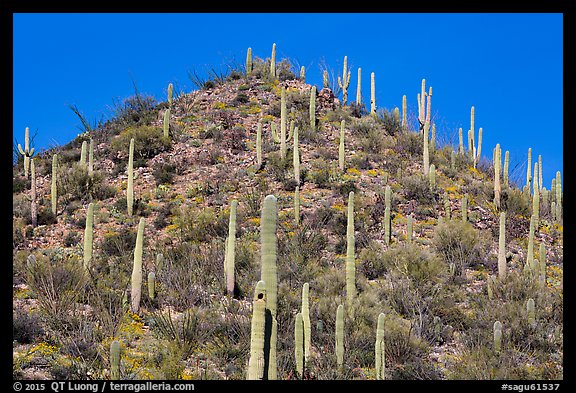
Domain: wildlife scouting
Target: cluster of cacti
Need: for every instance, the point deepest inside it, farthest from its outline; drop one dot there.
(341, 149)
(313, 108)
(230, 250)
(344, 82)
(130, 187)
(136, 280)
(27, 152)
(249, 62)
(88, 236)
(350, 253)
(372, 94)
(379, 347)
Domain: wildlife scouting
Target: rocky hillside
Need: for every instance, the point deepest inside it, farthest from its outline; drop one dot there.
(443, 267)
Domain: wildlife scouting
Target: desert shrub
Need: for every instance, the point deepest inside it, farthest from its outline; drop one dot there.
(20, 184)
(164, 173)
(148, 142)
(26, 326)
(413, 261)
(515, 202)
(199, 225)
(118, 244)
(417, 187)
(76, 184)
(458, 242)
(386, 119)
(322, 172)
(134, 110)
(409, 144)
(45, 216)
(235, 139)
(241, 98)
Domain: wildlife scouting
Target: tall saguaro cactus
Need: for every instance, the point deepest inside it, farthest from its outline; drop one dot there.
(379, 347)
(460, 142)
(259, 145)
(529, 169)
(497, 336)
(359, 88)
(273, 62)
(497, 170)
(426, 152)
(249, 62)
(296, 156)
(404, 113)
(313, 108)
(536, 200)
(387, 213)
(558, 197)
(299, 344)
(27, 152)
(34, 199)
(372, 94)
(170, 92)
(53, 186)
(506, 166)
(340, 337)
(344, 82)
(166, 123)
(256, 363)
(341, 148)
(502, 247)
(231, 249)
(91, 157)
(306, 321)
(283, 123)
(350, 253)
(268, 251)
(88, 236)
(130, 187)
(83, 151)
(136, 280)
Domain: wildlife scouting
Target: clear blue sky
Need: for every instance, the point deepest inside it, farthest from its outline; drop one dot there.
(508, 66)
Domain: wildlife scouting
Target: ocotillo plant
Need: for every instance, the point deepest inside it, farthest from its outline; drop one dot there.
(297, 205)
(497, 336)
(340, 337)
(302, 74)
(502, 247)
(296, 156)
(249, 62)
(136, 281)
(259, 145)
(313, 108)
(230, 249)
(256, 363)
(283, 123)
(54, 187)
(130, 187)
(531, 313)
(152, 285)
(379, 347)
(350, 253)
(115, 360)
(83, 151)
(359, 88)
(273, 62)
(88, 236)
(268, 251)
(166, 123)
(27, 152)
(33, 197)
(299, 344)
(372, 94)
(306, 321)
(497, 170)
(341, 148)
(344, 82)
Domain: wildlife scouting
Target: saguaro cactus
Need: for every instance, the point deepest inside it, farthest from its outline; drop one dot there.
(379, 347)
(558, 197)
(306, 321)
(542, 259)
(410, 229)
(83, 151)
(170, 91)
(529, 169)
(313, 108)
(152, 285)
(359, 88)
(502, 247)
(166, 123)
(303, 74)
(536, 201)
(372, 94)
(432, 177)
(344, 82)
(497, 336)
(259, 145)
(297, 205)
(88, 236)
(539, 172)
(299, 344)
(506, 166)
(249, 62)
(461, 142)
(447, 207)
(130, 188)
(273, 62)
(115, 360)
(426, 135)
(136, 281)
(531, 313)
(387, 212)
(350, 253)
(54, 187)
(256, 362)
(268, 250)
(530, 251)
(325, 80)
(497, 170)
(479, 149)
(283, 123)
(231, 249)
(27, 152)
(340, 337)
(341, 148)
(404, 113)
(296, 156)
(91, 157)
(465, 208)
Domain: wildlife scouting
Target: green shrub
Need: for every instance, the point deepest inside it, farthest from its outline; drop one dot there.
(148, 142)
(417, 187)
(164, 173)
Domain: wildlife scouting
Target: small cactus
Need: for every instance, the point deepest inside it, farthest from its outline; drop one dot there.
(152, 285)
(115, 360)
(170, 92)
(303, 74)
(313, 108)
(306, 321)
(325, 80)
(83, 151)
(340, 337)
(380, 353)
(299, 344)
(497, 336)
(249, 62)
(432, 177)
(88, 236)
(166, 123)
